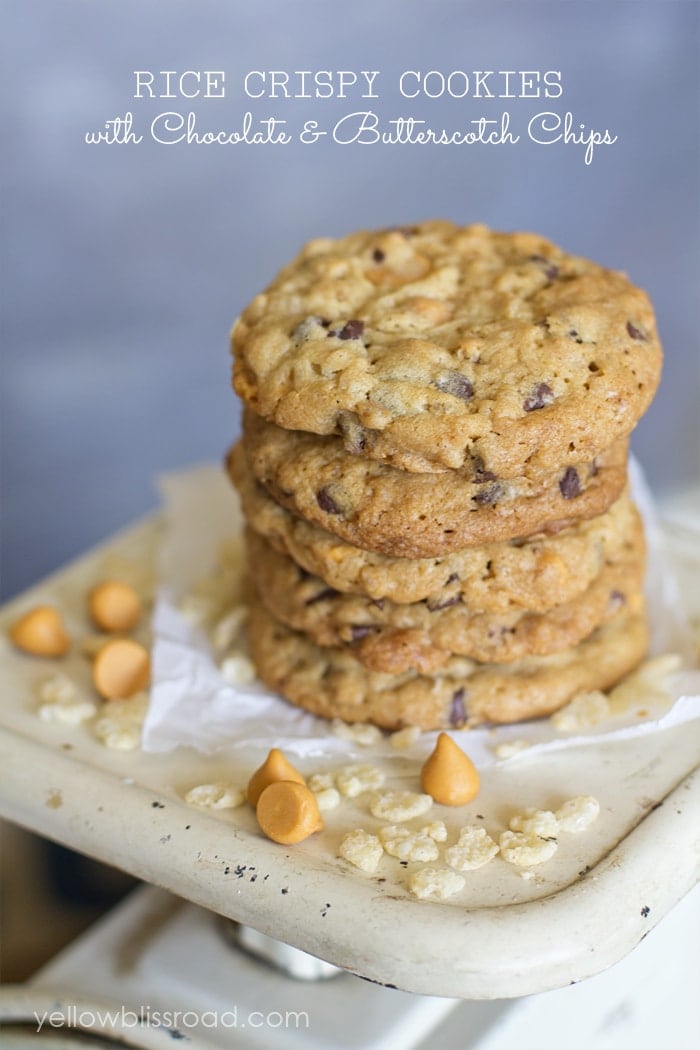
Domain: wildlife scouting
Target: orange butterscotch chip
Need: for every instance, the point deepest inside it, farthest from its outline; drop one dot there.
(121, 669)
(275, 767)
(287, 812)
(41, 632)
(448, 775)
(114, 606)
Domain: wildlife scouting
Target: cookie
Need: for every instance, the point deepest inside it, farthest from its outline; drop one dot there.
(533, 574)
(380, 508)
(437, 346)
(331, 683)
(422, 636)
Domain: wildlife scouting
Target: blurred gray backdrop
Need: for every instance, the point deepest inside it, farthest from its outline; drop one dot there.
(125, 265)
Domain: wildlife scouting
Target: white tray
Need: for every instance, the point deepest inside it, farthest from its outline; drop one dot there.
(504, 936)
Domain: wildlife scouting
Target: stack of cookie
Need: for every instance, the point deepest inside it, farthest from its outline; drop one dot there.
(434, 475)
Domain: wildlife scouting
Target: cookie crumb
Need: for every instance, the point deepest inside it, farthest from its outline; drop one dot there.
(356, 778)
(473, 849)
(403, 739)
(407, 844)
(583, 711)
(363, 733)
(399, 806)
(435, 884)
(525, 851)
(361, 849)
(215, 796)
(532, 822)
(577, 814)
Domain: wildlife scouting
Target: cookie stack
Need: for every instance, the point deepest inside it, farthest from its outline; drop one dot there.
(433, 470)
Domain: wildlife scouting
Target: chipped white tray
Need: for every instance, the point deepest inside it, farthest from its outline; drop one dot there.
(502, 936)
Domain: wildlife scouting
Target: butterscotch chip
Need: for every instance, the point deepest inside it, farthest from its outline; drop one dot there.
(114, 606)
(275, 767)
(41, 632)
(448, 775)
(121, 668)
(440, 347)
(288, 812)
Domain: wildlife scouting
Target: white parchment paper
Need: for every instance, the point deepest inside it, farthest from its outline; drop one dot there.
(193, 706)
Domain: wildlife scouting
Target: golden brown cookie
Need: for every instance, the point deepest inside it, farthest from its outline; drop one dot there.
(380, 508)
(422, 636)
(331, 683)
(437, 346)
(533, 574)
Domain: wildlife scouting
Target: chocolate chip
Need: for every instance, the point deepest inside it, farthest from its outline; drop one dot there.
(351, 330)
(328, 592)
(551, 270)
(480, 472)
(452, 578)
(457, 385)
(379, 602)
(489, 495)
(541, 396)
(360, 631)
(378, 255)
(326, 502)
(458, 715)
(573, 334)
(445, 603)
(636, 333)
(570, 483)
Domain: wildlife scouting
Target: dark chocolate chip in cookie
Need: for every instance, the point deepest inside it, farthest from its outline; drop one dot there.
(489, 495)
(351, 330)
(540, 397)
(551, 270)
(458, 714)
(434, 604)
(570, 484)
(360, 631)
(457, 385)
(636, 333)
(326, 502)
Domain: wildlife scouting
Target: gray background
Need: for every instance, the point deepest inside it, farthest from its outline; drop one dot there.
(124, 266)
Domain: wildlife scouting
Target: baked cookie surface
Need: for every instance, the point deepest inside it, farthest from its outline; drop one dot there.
(331, 683)
(380, 508)
(533, 574)
(437, 347)
(422, 636)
